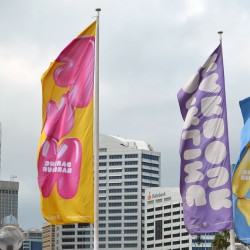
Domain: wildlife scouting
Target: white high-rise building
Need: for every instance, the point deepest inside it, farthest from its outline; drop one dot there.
(126, 169)
(8, 202)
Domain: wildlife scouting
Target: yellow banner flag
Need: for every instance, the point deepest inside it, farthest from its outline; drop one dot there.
(65, 153)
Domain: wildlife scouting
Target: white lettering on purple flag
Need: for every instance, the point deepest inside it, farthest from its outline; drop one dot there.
(205, 181)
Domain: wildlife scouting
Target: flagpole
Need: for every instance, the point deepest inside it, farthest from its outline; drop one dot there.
(96, 139)
(232, 234)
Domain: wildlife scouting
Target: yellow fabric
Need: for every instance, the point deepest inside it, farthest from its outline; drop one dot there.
(80, 208)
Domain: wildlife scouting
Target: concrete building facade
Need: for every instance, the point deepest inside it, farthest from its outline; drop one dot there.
(48, 236)
(126, 169)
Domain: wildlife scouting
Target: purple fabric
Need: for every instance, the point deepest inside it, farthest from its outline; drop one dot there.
(205, 176)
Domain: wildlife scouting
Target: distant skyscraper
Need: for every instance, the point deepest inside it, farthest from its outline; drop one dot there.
(8, 202)
(126, 169)
(48, 236)
(32, 239)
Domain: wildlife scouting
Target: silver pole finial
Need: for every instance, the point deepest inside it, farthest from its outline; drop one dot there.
(220, 34)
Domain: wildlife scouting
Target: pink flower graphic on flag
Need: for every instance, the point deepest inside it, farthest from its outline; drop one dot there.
(61, 165)
(59, 119)
(77, 70)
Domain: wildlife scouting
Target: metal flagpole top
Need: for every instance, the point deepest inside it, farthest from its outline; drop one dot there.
(220, 34)
(98, 9)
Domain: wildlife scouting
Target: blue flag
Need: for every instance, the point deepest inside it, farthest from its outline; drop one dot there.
(241, 179)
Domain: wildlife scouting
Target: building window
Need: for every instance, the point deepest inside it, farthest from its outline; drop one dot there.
(115, 177)
(115, 204)
(103, 149)
(131, 156)
(115, 238)
(115, 211)
(102, 184)
(102, 171)
(130, 231)
(117, 197)
(158, 208)
(102, 164)
(176, 212)
(115, 157)
(101, 178)
(131, 162)
(115, 170)
(158, 230)
(130, 197)
(130, 217)
(115, 231)
(150, 178)
(150, 246)
(115, 217)
(150, 157)
(68, 233)
(115, 163)
(132, 176)
(149, 184)
(68, 246)
(158, 215)
(115, 224)
(130, 211)
(149, 171)
(69, 226)
(130, 245)
(127, 204)
(115, 184)
(176, 205)
(130, 190)
(130, 183)
(131, 169)
(176, 220)
(158, 245)
(115, 190)
(102, 157)
(167, 236)
(114, 246)
(130, 224)
(149, 164)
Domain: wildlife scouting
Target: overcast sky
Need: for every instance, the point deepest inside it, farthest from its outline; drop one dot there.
(148, 50)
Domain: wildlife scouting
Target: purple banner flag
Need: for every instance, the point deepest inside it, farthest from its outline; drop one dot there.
(205, 178)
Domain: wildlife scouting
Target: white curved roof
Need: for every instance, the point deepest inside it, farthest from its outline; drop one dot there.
(134, 143)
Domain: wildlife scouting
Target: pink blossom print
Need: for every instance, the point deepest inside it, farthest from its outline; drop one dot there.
(77, 70)
(61, 165)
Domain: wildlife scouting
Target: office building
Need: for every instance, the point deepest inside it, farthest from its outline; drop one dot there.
(164, 223)
(8, 202)
(48, 236)
(32, 239)
(126, 169)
